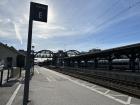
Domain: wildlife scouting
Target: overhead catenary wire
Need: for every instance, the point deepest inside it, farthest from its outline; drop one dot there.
(121, 12)
(130, 6)
(108, 9)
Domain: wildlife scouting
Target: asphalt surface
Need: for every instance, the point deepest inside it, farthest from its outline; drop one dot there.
(48, 87)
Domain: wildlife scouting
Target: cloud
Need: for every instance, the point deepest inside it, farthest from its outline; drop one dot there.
(51, 31)
(17, 33)
(44, 26)
(6, 28)
(4, 34)
(35, 44)
(3, 2)
(9, 28)
(75, 23)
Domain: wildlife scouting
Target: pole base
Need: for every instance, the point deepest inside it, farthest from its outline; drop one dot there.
(28, 100)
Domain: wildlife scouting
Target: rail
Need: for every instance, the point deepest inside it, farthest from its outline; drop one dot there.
(127, 82)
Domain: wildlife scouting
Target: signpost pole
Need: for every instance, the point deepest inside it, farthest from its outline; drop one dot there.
(28, 62)
(38, 12)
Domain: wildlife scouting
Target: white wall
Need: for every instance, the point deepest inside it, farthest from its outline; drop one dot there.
(5, 52)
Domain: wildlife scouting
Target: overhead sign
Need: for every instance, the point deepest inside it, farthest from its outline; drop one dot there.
(39, 12)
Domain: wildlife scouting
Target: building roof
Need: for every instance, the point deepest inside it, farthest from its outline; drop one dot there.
(135, 48)
(10, 48)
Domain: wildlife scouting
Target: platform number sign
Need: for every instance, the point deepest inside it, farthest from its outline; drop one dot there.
(39, 12)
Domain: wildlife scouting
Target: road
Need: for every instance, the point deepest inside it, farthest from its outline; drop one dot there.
(48, 87)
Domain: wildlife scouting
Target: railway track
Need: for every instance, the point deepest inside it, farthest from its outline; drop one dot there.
(128, 85)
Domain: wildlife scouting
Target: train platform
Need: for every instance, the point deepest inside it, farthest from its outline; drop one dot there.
(49, 87)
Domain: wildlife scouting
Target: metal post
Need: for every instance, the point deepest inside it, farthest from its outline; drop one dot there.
(20, 72)
(79, 63)
(73, 63)
(35, 10)
(8, 74)
(110, 64)
(132, 59)
(85, 63)
(33, 66)
(95, 63)
(33, 61)
(33, 56)
(28, 62)
(1, 78)
(68, 63)
(138, 64)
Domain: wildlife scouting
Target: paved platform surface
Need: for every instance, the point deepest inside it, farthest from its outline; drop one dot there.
(7, 89)
(48, 87)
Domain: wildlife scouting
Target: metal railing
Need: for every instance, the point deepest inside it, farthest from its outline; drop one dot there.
(7, 73)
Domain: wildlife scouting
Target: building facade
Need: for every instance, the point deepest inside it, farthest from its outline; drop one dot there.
(9, 56)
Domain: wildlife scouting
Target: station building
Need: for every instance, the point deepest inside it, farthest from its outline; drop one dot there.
(9, 56)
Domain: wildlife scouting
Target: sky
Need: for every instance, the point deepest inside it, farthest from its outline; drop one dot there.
(72, 24)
